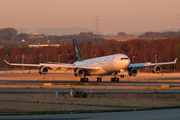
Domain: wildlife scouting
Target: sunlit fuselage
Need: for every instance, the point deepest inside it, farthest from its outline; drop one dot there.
(107, 64)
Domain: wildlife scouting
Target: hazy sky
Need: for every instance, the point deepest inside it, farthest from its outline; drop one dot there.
(114, 15)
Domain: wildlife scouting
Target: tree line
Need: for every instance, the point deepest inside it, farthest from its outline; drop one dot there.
(157, 35)
(138, 50)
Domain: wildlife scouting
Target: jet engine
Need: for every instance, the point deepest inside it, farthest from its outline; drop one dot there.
(156, 69)
(43, 70)
(132, 72)
(78, 72)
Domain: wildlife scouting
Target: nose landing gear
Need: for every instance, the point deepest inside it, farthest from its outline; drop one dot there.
(122, 76)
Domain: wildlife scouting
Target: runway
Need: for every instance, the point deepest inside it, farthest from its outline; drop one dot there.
(163, 114)
(18, 90)
(89, 83)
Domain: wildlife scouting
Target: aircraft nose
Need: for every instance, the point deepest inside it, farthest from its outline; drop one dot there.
(122, 62)
(127, 63)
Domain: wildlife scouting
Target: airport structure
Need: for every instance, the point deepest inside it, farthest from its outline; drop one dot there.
(36, 46)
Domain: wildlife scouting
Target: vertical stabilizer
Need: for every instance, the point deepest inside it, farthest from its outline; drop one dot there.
(76, 51)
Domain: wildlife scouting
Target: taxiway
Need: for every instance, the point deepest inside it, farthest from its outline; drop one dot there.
(162, 114)
(41, 82)
(18, 90)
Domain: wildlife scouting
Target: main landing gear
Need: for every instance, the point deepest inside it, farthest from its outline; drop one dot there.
(99, 78)
(115, 79)
(84, 79)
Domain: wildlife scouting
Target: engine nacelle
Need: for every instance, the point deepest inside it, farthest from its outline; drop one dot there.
(78, 72)
(43, 70)
(156, 69)
(132, 72)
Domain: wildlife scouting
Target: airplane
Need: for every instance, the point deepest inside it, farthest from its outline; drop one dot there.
(99, 66)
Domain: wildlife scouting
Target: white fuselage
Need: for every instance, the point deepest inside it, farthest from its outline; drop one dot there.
(107, 64)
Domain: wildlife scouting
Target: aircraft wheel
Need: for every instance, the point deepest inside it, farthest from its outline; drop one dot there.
(98, 79)
(121, 76)
(82, 80)
(86, 79)
(112, 79)
(117, 79)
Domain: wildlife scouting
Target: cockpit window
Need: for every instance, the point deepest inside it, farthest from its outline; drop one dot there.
(123, 58)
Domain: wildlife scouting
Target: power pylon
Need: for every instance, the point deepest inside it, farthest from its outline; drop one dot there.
(97, 24)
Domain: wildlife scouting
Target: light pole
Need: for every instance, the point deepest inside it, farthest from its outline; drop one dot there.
(6, 64)
(59, 57)
(133, 58)
(16, 58)
(155, 58)
(22, 62)
(39, 58)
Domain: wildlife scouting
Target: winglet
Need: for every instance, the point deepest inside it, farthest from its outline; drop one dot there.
(6, 62)
(175, 60)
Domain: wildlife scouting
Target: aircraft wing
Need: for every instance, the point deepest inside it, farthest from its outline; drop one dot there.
(19, 64)
(69, 66)
(56, 63)
(139, 65)
(58, 66)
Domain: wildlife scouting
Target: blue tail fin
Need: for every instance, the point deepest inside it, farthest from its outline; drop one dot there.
(76, 51)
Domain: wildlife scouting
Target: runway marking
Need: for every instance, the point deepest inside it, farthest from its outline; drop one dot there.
(164, 86)
(47, 84)
(162, 118)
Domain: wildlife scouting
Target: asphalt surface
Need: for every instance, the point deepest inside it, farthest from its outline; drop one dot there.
(89, 83)
(19, 90)
(163, 114)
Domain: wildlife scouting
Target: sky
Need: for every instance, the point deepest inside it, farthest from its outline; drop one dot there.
(113, 15)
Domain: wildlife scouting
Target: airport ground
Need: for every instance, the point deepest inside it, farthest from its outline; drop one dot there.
(61, 79)
(69, 76)
(27, 103)
(162, 114)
